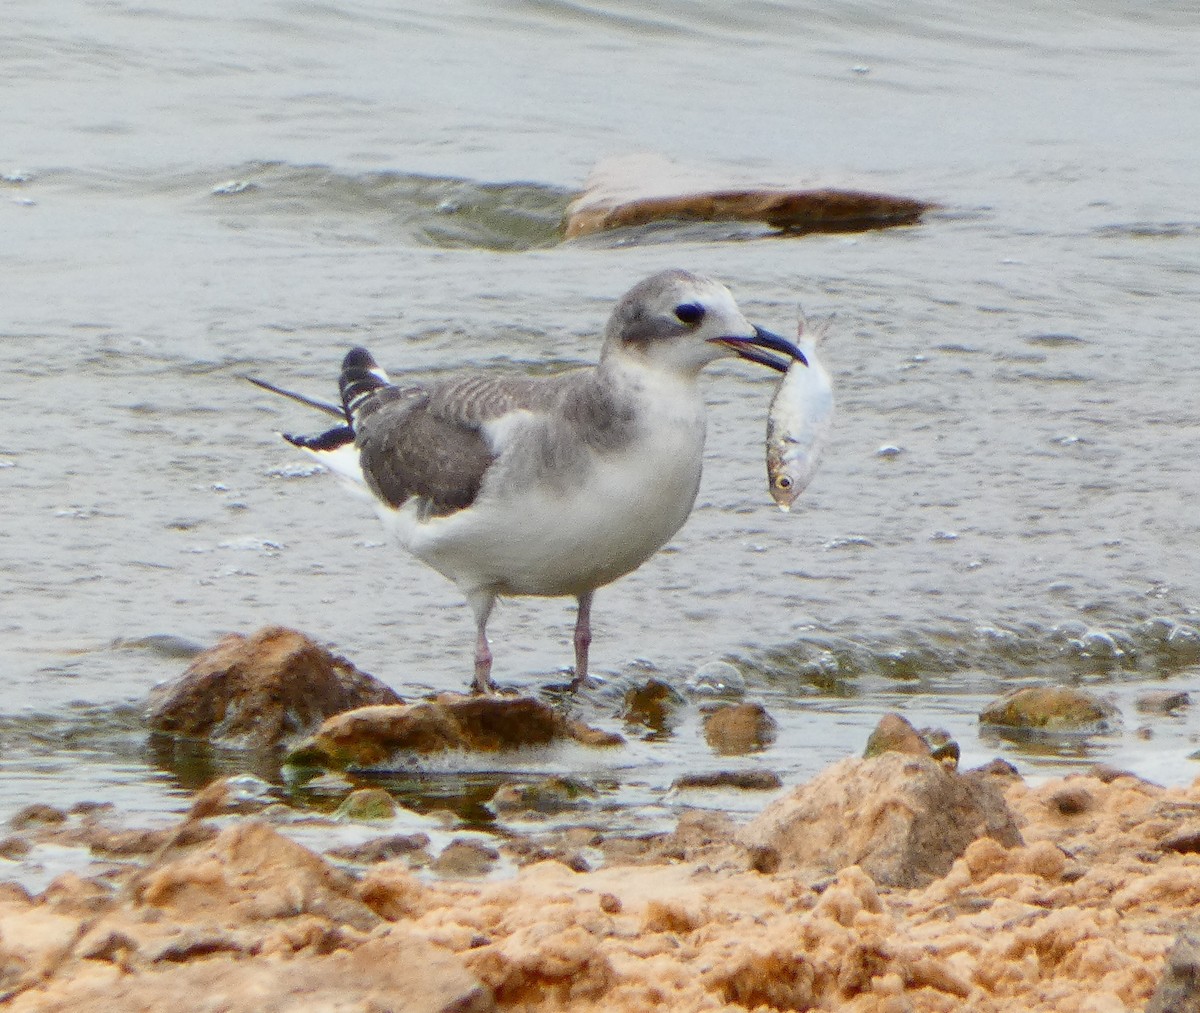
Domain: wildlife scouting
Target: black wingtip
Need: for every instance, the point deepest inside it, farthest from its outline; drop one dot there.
(329, 440)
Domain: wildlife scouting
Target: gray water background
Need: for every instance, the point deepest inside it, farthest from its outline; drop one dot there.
(191, 194)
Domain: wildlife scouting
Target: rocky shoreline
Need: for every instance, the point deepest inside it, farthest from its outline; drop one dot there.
(892, 882)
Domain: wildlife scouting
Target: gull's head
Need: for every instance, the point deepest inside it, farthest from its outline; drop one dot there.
(680, 322)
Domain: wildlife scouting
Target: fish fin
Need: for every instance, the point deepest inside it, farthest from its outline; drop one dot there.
(813, 330)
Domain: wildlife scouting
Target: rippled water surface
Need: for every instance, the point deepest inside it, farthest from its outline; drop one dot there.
(1010, 494)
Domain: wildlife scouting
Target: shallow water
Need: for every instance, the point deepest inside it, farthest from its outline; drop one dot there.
(1009, 494)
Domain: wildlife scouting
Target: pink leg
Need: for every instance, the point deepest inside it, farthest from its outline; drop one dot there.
(583, 639)
(482, 607)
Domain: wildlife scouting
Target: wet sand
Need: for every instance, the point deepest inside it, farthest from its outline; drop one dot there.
(228, 910)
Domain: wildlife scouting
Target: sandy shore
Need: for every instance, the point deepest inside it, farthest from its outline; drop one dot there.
(225, 913)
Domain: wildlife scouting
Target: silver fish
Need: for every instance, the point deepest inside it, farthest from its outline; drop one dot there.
(799, 420)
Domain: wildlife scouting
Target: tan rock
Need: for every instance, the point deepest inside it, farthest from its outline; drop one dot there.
(262, 691)
(734, 729)
(399, 971)
(1080, 919)
(1051, 708)
(903, 819)
(895, 734)
(252, 872)
(375, 736)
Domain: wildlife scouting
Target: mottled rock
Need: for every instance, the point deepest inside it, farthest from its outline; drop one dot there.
(739, 728)
(382, 849)
(1163, 701)
(903, 819)
(367, 804)
(637, 189)
(553, 795)
(466, 858)
(377, 736)
(653, 705)
(1179, 989)
(1051, 709)
(261, 692)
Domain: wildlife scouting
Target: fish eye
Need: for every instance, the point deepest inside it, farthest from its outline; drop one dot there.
(783, 482)
(689, 313)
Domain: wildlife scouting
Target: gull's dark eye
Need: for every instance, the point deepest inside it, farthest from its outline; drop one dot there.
(689, 313)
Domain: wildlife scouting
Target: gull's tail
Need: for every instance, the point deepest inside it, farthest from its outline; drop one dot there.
(361, 377)
(333, 448)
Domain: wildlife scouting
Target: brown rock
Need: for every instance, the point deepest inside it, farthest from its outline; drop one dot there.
(1051, 708)
(744, 780)
(262, 691)
(1163, 701)
(1179, 989)
(35, 814)
(463, 857)
(14, 847)
(903, 819)
(895, 734)
(653, 705)
(374, 736)
(739, 728)
(1184, 841)
(552, 795)
(1072, 800)
(381, 849)
(638, 189)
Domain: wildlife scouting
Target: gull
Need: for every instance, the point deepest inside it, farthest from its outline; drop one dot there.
(509, 484)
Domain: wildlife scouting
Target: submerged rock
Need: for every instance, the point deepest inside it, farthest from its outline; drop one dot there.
(653, 704)
(376, 736)
(743, 780)
(1163, 701)
(903, 819)
(1051, 709)
(552, 795)
(261, 692)
(739, 728)
(368, 805)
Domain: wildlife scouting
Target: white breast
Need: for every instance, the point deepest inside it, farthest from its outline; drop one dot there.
(581, 529)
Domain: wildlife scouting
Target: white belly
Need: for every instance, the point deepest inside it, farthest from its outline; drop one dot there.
(566, 538)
